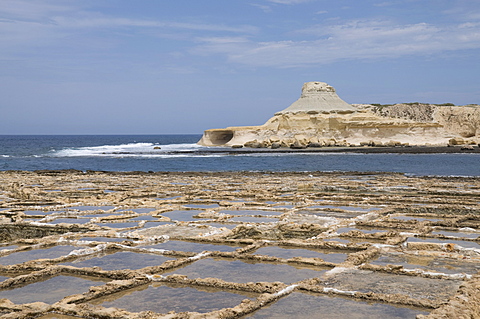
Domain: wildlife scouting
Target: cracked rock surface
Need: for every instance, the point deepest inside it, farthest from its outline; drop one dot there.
(238, 245)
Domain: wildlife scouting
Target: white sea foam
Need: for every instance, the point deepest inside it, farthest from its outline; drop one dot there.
(103, 149)
(181, 147)
(130, 150)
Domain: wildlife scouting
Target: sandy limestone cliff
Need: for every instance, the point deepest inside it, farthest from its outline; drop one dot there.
(321, 118)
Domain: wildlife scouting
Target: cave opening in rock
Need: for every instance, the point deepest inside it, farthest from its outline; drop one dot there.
(220, 137)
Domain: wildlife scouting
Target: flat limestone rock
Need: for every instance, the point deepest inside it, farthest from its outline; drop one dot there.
(349, 239)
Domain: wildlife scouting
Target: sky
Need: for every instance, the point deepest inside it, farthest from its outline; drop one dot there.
(184, 66)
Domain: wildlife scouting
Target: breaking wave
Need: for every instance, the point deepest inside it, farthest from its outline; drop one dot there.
(129, 150)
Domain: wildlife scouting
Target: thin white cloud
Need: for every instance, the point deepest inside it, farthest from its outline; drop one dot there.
(34, 10)
(48, 12)
(223, 40)
(25, 24)
(465, 13)
(268, 8)
(95, 21)
(32, 24)
(368, 39)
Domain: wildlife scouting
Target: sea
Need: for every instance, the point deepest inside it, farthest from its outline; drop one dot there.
(180, 153)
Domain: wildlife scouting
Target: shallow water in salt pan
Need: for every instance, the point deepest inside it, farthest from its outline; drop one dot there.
(50, 290)
(182, 215)
(27, 255)
(428, 263)
(106, 239)
(412, 286)
(461, 234)
(192, 247)
(243, 272)
(289, 252)
(145, 217)
(306, 305)
(69, 221)
(163, 298)
(38, 212)
(121, 260)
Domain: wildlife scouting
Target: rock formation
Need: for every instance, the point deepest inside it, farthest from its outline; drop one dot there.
(463, 121)
(318, 97)
(321, 118)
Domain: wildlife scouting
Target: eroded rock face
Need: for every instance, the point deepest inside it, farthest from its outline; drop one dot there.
(461, 121)
(417, 112)
(318, 97)
(321, 118)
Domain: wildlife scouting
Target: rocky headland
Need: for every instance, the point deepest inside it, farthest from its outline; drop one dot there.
(320, 118)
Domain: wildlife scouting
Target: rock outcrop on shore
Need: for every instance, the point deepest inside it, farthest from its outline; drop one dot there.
(460, 121)
(321, 118)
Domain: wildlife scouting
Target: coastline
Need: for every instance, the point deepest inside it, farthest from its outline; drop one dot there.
(180, 153)
(333, 149)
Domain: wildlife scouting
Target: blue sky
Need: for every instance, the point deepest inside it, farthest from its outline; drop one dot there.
(183, 66)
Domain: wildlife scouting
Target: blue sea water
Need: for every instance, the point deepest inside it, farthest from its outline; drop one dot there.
(181, 153)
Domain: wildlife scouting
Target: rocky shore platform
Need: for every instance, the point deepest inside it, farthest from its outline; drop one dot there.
(342, 149)
(238, 245)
